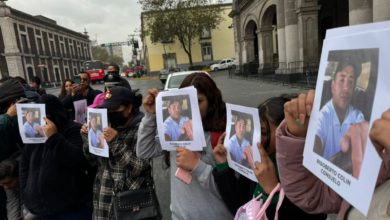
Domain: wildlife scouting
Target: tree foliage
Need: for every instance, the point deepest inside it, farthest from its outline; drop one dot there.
(99, 53)
(182, 20)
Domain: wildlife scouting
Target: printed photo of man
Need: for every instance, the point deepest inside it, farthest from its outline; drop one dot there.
(32, 129)
(239, 144)
(177, 127)
(95, 133)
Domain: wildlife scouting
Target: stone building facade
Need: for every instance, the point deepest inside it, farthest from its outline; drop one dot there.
(38, 46)
(287, 35)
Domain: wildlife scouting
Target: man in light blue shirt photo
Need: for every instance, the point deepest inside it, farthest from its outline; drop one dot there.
(95, 134)
(337, 116)
(31, 128)
(238, 143)
(176, 125)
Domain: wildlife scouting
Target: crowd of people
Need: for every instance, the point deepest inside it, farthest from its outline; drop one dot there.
(61, 179)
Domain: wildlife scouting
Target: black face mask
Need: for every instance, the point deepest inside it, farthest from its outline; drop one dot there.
(116, 119)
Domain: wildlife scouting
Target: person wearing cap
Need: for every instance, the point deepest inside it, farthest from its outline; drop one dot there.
(337, 116)
(122, 170)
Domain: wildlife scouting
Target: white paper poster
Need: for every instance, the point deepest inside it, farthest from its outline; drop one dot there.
(31, 121)
(179, 123)
(242, 135)
(80, 111)
(350, 94)
(97, 121)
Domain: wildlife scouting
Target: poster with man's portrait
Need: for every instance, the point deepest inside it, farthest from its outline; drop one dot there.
(179, 122)
(242, 135)
(31, 121)
(352, 79)
(80, 111)
(97, 121)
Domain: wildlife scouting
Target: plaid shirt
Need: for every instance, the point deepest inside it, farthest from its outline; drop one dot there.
(122, 170)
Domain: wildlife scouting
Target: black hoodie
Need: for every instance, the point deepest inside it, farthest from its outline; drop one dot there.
(53, 175)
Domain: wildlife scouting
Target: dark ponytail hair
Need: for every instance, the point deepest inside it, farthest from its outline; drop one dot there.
(137, 101)
(272, 111)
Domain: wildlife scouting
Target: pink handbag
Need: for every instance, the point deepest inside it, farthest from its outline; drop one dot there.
(255, 208)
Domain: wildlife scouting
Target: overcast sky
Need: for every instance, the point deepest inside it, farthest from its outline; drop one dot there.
(105, 20)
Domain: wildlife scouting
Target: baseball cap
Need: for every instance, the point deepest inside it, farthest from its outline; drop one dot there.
(97, 101)
(117, 96)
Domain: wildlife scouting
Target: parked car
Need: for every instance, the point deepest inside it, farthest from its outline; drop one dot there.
(165, 72)
(224, 64)
(174, 79)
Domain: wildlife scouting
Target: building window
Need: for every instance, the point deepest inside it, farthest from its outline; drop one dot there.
(50, 35)
(28, 60)
(40, 46)
(30, 72)
(206, 33)
(52, 48)
(37, 32)
(22, 28)
(25, 43)
(63, 49)
(207, 52)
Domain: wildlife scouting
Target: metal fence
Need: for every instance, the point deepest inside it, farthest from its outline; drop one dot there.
(294, 74)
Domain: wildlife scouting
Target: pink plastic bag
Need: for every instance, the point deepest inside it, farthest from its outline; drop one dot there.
(255, 209)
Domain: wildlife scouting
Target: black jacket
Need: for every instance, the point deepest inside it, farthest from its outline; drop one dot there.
(238, 190)
(53, 175)
(68, 100)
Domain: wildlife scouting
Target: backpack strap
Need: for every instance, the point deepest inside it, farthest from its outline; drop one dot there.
(261, 213)
(281, 198)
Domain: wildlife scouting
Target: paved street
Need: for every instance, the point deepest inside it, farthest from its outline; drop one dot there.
(236, 91)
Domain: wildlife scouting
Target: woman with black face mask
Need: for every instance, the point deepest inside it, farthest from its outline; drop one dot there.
(122, 170)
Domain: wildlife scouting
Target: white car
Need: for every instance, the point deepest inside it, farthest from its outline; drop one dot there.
(174, 79)
(224, 64)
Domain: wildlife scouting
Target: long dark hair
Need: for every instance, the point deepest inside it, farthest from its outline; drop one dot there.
(272, 111)
(215, 119)
(63, 91)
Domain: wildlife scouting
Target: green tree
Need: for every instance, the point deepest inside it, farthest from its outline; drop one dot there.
(99, 53)
(115, 59)
(184, 20)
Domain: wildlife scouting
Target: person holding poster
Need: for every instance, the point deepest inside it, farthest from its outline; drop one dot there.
(31, 128)
(122, 170)
(302, 187)
(337, 115)
(53, 179)
(238, 143)
(198, 198)
(97, 137)
(237, 191)
(176, 126)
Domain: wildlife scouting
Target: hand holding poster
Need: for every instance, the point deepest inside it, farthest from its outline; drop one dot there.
(97, 121)
(242, 135)
(178, 120)
(352, 74)
(31, 121)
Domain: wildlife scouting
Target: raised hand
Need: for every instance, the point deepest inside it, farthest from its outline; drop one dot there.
(84, 129)
(220, 153)
(379, 133)
(110, 134)
(149, 101)
(50, 128)
(297, 113)
(265, 171)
